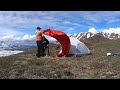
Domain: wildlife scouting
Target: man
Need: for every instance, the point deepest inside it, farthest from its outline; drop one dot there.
(40, 48)
(46, 46)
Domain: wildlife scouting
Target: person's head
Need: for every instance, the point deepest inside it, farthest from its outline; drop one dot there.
(38, 28)
(43, 37)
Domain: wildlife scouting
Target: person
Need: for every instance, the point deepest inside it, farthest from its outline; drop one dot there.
(46, 46)
(40, 48)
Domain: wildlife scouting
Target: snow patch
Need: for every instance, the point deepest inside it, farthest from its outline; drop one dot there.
(92, 35)
(75, 34)
(78, 35)
(8, 53)
(88, 35)
(103, 35)
(81, 36)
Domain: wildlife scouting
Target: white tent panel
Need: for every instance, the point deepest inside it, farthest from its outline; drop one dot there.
(78, 47)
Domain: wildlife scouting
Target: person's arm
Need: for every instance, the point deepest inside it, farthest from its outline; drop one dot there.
(47, 44)
(35, 32)
(39, 32)
(42, 31)
(44, 41)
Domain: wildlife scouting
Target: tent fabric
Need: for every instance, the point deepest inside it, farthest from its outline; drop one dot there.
(77, 47)
(62, 38)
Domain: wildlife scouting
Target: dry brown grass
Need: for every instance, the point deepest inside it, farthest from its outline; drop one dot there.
(96, 66)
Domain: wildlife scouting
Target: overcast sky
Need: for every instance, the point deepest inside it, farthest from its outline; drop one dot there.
(22, 24)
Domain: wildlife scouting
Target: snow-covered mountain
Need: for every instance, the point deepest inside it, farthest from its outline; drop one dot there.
(85, 35)
(9, 47)
(17, 45)
(28, 44)
(13, 45)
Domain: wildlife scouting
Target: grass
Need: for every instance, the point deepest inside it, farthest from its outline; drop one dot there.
(96, 66)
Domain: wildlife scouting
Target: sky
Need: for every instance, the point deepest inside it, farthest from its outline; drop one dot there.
(21, 25)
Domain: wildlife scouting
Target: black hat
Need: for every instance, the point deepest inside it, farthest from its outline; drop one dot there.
(38, 28)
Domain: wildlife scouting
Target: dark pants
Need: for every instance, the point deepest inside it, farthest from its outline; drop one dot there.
(40, 49)
(46, 50)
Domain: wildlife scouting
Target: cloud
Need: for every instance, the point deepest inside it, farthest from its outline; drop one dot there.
(100, 16)
(26, 18)
(32, 37)
(112, 30)
(28, 37)
(109, 30)
(92, 30)
(71, 29)
(78, 24)
(9, 31)
(19, 23)
(8, 37)
(25, 37)
(66, 22)
(53, 17)
(12, 37)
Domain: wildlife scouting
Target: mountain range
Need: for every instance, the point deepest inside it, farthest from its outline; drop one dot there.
(86, 35)
(28, 44)
(17, 45)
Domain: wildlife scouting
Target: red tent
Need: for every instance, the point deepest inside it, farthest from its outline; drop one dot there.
(62, 38)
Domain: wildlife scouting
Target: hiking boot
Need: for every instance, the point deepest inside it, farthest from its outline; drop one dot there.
(38, 56)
